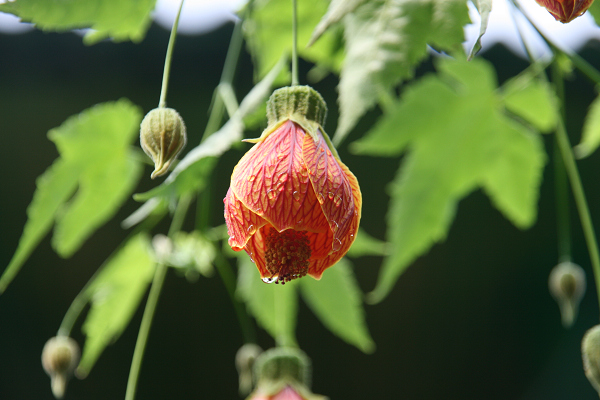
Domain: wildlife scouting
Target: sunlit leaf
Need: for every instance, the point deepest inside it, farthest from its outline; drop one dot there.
(385, 41)
(115, 294)
(274, 306)
(268, 30)
(336, 300)
(459, 139)
(95, 158)
(484, 7)
(590, 138)
(367, 245)
(336, 11)
(119, 20)
(533, 100)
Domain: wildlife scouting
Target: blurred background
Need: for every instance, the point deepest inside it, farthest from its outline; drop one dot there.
(472, 319)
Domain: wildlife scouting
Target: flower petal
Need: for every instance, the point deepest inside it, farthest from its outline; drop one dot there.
(317, 267)
(332, 187)
(272, 181)
(241, 222)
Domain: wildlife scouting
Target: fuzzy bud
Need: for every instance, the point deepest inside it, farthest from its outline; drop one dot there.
(59, 358)
(567, 285)
(162, 137)
(590, 352)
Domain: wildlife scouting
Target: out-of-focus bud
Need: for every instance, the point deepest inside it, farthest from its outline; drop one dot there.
(590, 352)
(162, 137)
(567, 286)
(59, 358)
(566, 10)
(244, 362)
(283, 374)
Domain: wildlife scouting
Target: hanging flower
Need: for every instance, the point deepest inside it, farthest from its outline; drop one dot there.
(566, 10)
(293, 205)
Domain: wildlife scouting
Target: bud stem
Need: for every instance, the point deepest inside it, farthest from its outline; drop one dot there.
(155, 289)
(165, 81)
(294, 43)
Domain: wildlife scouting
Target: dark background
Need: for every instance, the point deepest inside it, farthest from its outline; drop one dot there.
(470, 320)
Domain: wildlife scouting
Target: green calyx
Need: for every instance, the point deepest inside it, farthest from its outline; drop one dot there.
(291, 102)
(282, 364)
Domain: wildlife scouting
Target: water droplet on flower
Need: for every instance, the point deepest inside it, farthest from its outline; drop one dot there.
(271, 194)
(280, 156)
(296, 195)
(280, 188)
(322, 150)
(251, 230)
(337, 244)
(251, 178)
(328, 153)
(335, 226)
(320, 198)
(330, 195)
(337, 201)
(299, 222)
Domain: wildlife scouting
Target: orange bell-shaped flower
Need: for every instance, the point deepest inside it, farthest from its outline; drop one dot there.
(566, 10)
(293, 205)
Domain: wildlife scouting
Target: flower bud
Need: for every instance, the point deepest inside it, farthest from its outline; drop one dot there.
(162, 137)
(59, 358)
(244, 362)
(590, 352)
(566, 10)
(567, 286)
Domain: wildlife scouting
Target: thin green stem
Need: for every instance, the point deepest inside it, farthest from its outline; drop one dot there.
(149, 310)
(294, 43)
(167, 70)
(228, 277)
(580, 201)
(231, 59)
(560, 180)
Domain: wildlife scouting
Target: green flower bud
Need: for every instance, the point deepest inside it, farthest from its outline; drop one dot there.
(162, 137)
(567, 285)
(590, 352)
(59, 358)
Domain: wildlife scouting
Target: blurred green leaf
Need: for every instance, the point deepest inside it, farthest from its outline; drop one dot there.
(95, 157)
(274, 306)
(594, 10)
(590, 137)
(484, 7)
(336, 300)
(115, 294)
(367, 245)
(533, 100)
(119, 20)
(268, 31)
(460, 139)
(385, 41)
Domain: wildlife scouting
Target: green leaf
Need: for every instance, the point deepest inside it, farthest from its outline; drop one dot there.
(460, 139)
(367, 245)
(120, 20)
(336, 300)
(385, 41)
(594, 10)
(533, 100)
(95, 158)
(590, 138)
(336, 11)
(274, 306)
(115, 294)
(484, 7)
(268, 30)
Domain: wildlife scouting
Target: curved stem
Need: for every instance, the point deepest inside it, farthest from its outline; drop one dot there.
(155, 289)
(167, 70)
(294, 43)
